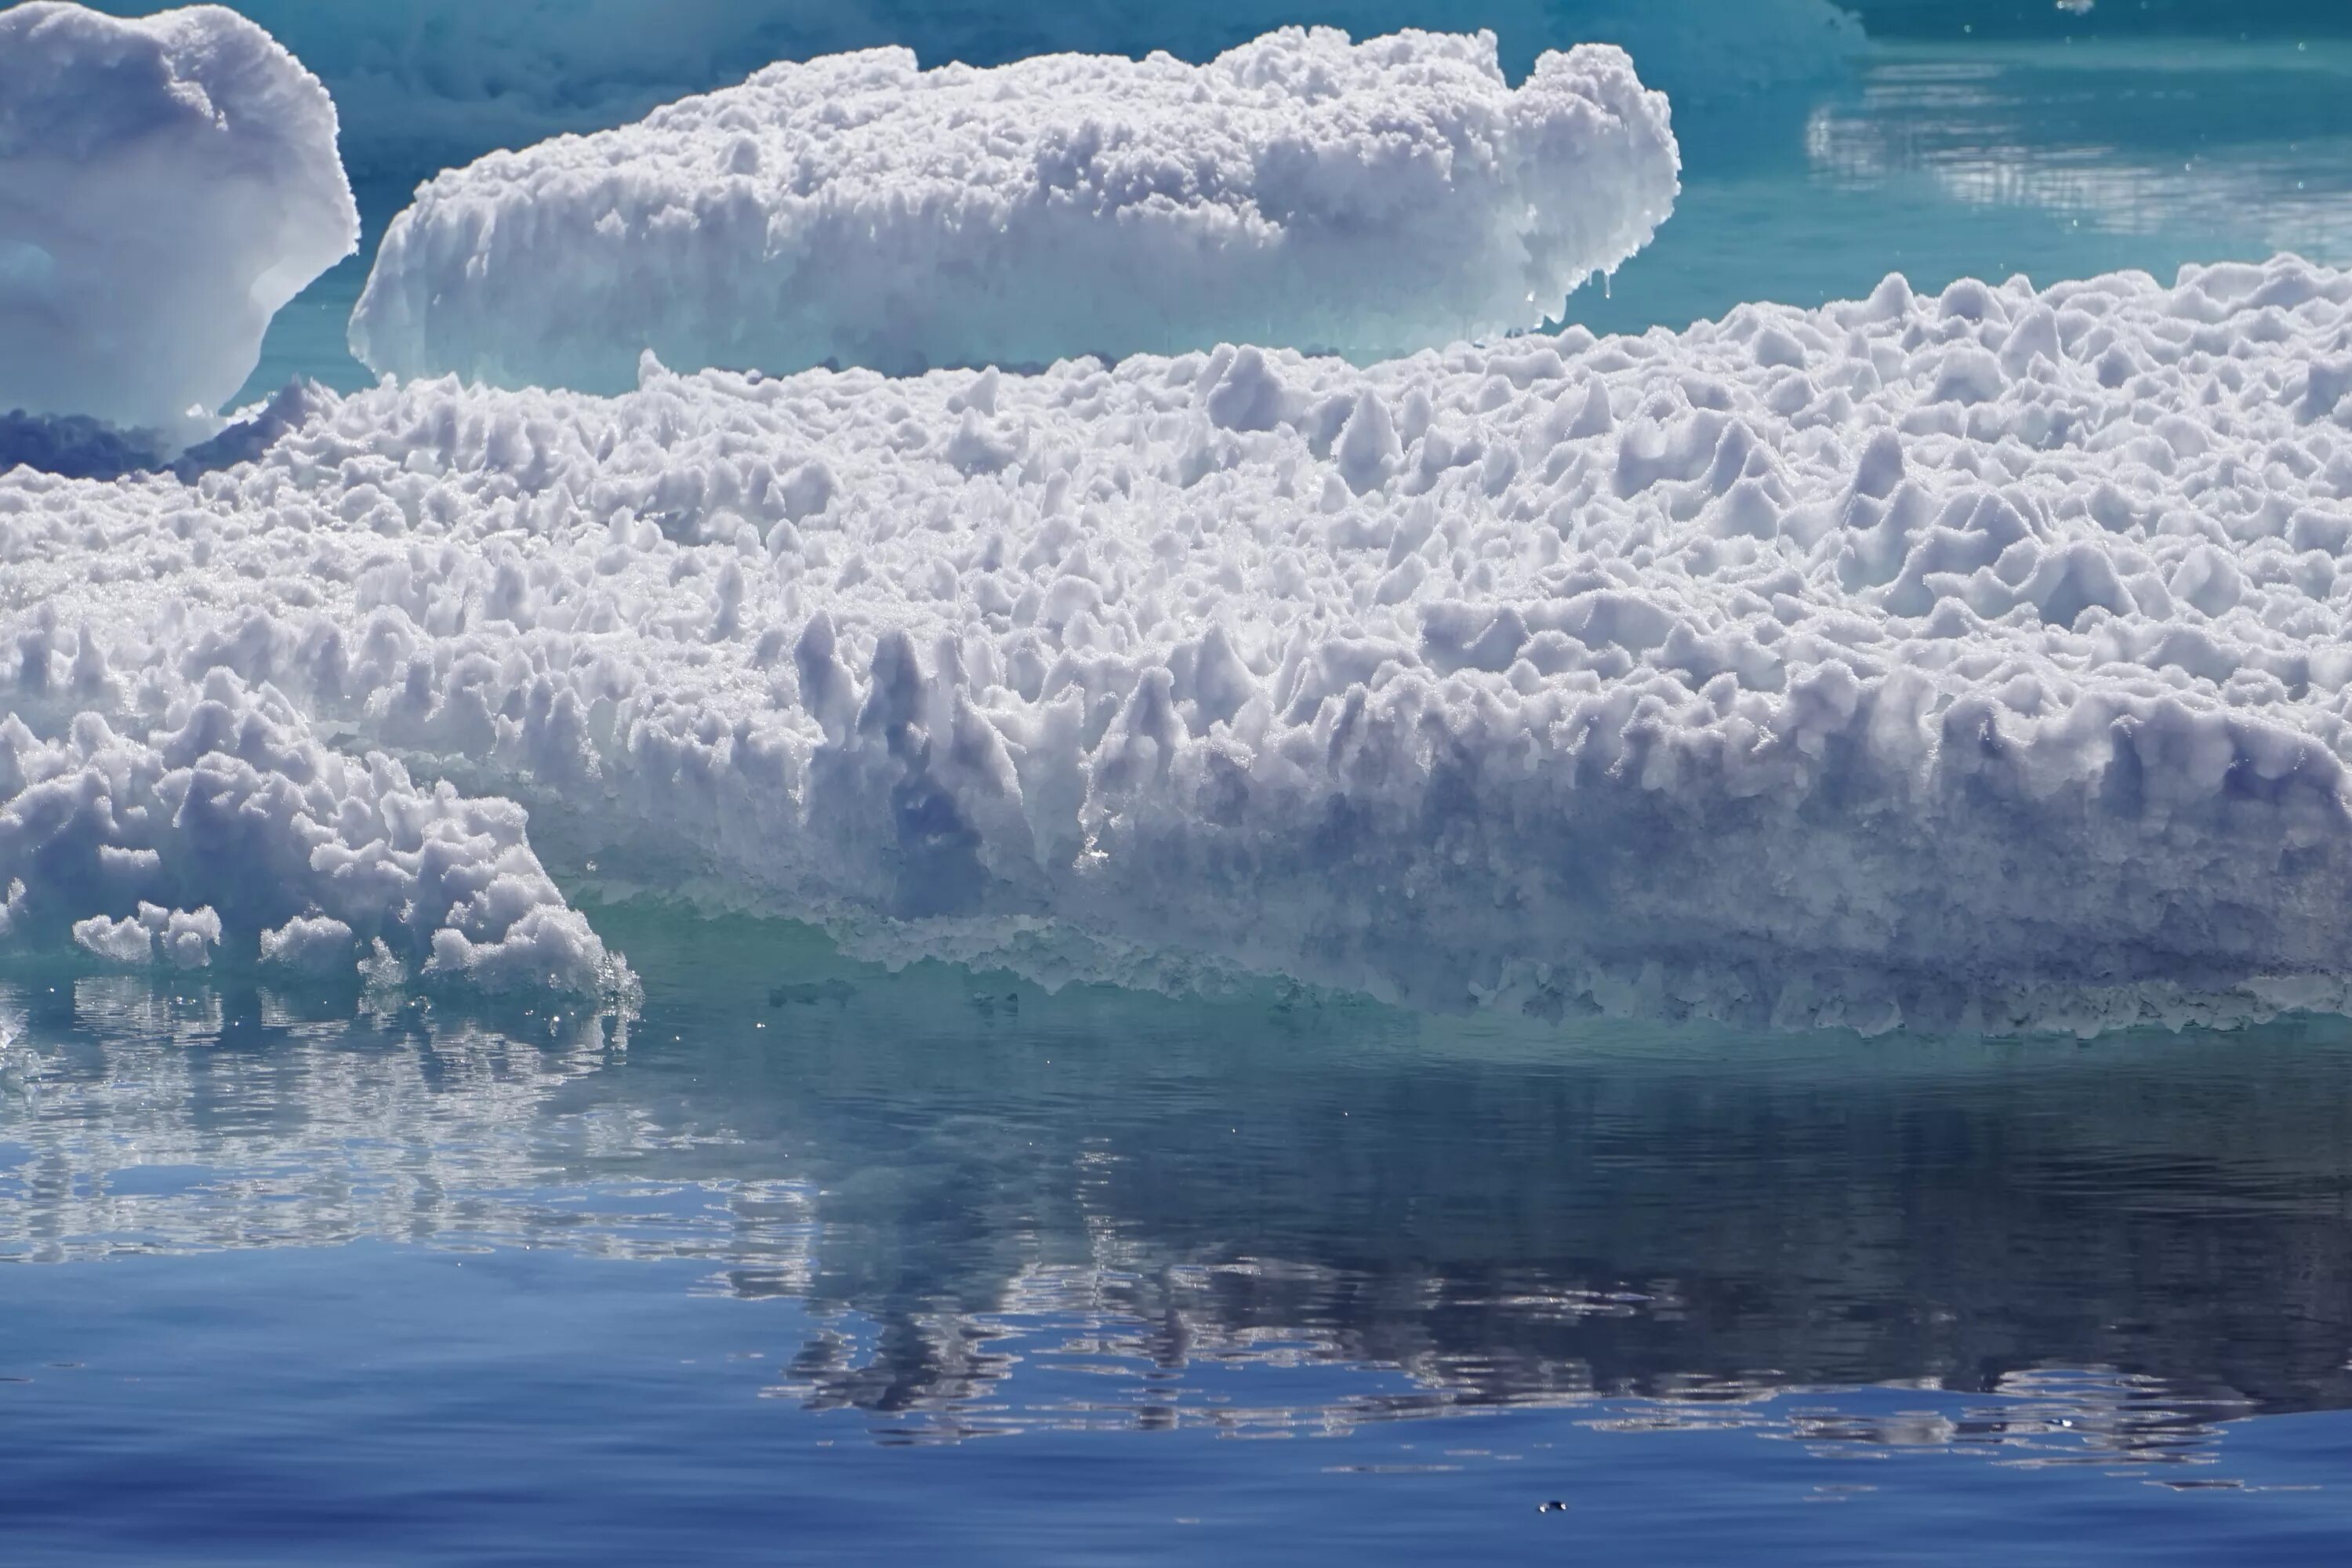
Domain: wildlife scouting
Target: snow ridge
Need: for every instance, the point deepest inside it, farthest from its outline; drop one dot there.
(1369, 199)
(1975, 661)
(424, 85)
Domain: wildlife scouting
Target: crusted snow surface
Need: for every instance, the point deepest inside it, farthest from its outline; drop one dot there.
(166, 184)
(1973, 661)
(209, 814)
(1366, 197)
(424, 85)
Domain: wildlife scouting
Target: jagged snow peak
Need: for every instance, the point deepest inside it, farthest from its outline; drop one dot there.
(166, 184)
(1978, 660)
(1368, 197)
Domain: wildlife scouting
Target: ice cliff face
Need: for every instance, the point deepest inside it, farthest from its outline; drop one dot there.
(1976, 660)
(165, 186)
(1371, 197)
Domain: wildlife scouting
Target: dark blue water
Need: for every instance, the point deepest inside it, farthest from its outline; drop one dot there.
(386, 1403)
(809, 1262)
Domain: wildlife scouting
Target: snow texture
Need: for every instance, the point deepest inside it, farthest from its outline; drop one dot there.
(1979, 660)
(1368, 197)
(424, 85)
(166, 184)
(224, 807)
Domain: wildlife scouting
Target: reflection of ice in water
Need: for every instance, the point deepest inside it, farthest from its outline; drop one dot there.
(166, 1121)
(1112, 1212)
(2133, 142)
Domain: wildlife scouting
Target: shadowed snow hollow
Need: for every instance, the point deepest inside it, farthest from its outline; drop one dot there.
(165, 186)
(1365, 197)
(1978, 660)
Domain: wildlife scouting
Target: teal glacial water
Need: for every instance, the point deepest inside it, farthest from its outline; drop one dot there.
(811, 1262)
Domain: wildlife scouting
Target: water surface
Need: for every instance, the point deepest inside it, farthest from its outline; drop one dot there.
(938, 1264)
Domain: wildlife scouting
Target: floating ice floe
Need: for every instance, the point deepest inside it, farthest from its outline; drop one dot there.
(1978, 660)
(1364, 197)
(424, 85)
(166, 184)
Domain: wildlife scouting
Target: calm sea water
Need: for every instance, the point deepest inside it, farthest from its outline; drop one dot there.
(807, 1262)
(810, 1262)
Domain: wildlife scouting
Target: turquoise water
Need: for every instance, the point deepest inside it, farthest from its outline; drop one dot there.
(809, 1261)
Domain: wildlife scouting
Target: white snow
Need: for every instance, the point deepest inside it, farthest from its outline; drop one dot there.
(183, 939)
(165, 186)
(1978, 660)
(1365, 197)
(314, 944)
(217, 794)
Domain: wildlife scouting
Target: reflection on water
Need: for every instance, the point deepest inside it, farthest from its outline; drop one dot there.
(1010, 1210)
(1956, 160)
(2246, 148)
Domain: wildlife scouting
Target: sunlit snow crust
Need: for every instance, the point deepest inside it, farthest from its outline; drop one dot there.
(165, 186)
(1370, 197)
(1978, 660)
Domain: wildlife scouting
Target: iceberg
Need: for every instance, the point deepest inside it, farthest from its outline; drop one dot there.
(1974, 660)
(1371, 198)
(166, 184)
(424, 85)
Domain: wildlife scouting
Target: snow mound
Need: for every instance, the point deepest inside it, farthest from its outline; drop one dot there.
(166, 184)
(1979, 660)
(224, 820)
(1366, 197)
(424, 85)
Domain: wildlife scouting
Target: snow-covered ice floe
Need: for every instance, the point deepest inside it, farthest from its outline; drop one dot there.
(1368, 197)
(1975, 661)
(166, 184)
(424, 85)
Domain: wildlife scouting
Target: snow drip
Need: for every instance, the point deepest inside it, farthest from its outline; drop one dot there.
(165, 186)
(1970, 661)
(1369, 198)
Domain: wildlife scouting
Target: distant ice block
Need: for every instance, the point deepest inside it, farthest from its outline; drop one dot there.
(1367, 197)
(166, 184)
(1974, 660)
(424, 85)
